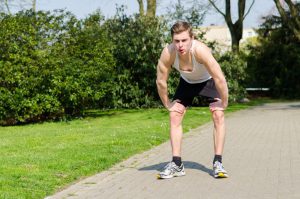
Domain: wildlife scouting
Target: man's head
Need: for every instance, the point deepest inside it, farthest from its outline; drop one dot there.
(181, 26)
(182, 36)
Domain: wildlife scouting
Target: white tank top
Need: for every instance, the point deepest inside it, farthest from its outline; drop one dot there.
(197, 75)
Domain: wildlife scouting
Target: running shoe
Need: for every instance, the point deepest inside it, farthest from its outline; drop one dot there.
(171, 170)
(219, 171)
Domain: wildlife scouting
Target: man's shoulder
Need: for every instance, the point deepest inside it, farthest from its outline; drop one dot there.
(168, 53)
(198, 45)
(169, 48)
(201, 51)
(200, 48)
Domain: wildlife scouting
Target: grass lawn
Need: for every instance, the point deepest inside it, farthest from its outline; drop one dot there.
(39, 159)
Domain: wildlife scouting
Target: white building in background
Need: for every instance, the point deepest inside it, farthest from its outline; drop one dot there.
(221, 35)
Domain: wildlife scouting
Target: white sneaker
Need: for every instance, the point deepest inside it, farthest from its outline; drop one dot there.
(219, 171)
(171, 170)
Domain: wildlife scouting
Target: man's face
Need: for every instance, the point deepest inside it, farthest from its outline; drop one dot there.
(182, 42)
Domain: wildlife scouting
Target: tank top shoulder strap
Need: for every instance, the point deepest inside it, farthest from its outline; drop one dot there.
(176, 61)
(193, 52)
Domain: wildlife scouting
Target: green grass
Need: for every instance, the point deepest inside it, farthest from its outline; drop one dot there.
(39, 159)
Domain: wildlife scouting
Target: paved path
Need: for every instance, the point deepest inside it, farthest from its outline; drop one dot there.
(262, 157)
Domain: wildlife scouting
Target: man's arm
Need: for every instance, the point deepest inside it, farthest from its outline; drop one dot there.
(163, 71)
(204, 56)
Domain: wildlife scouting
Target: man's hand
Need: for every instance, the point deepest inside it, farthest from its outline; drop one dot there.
(224, 104)
(175, 106)
(218, 105)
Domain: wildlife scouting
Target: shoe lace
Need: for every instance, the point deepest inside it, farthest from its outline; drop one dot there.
(169, 167)
(218, 165)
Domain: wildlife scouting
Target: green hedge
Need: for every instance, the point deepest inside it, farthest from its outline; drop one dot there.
(51, 64)
(234, 67)
(138, 43)
(275, 62)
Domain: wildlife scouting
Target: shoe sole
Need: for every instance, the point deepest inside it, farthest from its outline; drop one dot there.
(158, 176)
(221, 175)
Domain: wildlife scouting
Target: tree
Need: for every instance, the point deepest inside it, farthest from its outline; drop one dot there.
(291, 18)
(52, 65)
(138, 41)
(151, 7)
(236, 28)
(277, 57)
(34, 5)
(193, 14)
(6, 5)
(141, 7)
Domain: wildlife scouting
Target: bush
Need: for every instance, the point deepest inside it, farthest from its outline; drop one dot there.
(88, 66)
(138, 43)
(25, 67)
(274, 63)
(233, 67)
(51, 64)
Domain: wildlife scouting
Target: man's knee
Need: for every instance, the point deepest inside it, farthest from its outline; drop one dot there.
(176, 118)
(218, 117)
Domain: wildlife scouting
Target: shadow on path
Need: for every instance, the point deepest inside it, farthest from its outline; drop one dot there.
(187, 165)
(280, 107)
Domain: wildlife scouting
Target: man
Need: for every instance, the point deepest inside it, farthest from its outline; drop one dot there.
(200, 75)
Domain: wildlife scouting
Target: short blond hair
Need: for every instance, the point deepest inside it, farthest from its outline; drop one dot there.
(181, 26)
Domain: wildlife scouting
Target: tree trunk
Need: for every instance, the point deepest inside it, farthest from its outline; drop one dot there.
(236, 29)
(34, 5)
(151, 8)
(141, 7)
(7, 6)
(292, 23)
(236, 32)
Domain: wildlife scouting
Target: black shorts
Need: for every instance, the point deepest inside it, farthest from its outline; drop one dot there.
(186, 92)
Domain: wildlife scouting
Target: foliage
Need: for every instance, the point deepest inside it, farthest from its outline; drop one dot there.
(50, 64)
(234, 69)
(138, 42)
(290, 15)
(235, 28)
(193, 14)
(53, 65)
(275, 62)
(88, 65)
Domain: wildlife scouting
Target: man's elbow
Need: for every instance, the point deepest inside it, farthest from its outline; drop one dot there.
(223, 80)
(160, 82)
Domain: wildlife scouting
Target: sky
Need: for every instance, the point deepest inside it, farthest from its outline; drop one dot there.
(82, 8)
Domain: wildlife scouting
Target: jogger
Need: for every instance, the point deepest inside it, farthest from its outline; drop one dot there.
(200, 75)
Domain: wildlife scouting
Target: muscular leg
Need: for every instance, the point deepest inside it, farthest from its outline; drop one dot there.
(176, 132)
(219, 131)
(175, 167)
